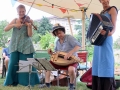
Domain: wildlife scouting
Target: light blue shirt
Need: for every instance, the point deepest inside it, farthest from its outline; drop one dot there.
(69, 43)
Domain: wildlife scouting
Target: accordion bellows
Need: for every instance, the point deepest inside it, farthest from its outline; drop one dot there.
(98, 22)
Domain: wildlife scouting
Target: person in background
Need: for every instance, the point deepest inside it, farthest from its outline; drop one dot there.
(6, 55)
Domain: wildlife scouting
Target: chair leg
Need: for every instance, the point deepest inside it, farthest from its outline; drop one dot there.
(68, 79)
(58, 78)
(75, 84)
(2, 72)
(3, 69)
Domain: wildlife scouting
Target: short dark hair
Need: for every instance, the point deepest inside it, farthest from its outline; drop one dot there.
(56, 31)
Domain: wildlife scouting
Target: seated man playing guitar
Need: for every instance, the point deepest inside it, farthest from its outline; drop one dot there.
(68, 44)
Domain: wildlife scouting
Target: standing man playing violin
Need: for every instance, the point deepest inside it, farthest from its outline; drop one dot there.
(68, 44)
(20, 48)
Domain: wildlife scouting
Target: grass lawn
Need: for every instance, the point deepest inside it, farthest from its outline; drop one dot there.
(80, 86)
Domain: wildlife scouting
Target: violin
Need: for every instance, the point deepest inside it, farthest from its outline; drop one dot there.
(27, 19)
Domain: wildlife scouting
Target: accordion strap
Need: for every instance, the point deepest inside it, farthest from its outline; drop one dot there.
(104, 37)
(98, 15)
(109, 9)
(106, 34)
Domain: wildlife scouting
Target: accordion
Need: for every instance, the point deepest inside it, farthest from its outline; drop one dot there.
(98, 22)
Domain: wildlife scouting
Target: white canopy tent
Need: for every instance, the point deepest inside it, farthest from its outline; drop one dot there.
(75, 9)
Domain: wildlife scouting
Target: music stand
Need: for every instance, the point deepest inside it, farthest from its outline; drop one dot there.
(26, 67)
(42, 64)
(39, 64)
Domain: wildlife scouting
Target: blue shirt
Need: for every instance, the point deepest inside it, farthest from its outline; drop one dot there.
(69, 43)
(5, 50)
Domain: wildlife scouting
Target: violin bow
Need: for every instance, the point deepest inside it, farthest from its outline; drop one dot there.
(29, 10)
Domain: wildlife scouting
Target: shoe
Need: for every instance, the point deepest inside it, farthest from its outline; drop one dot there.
(10, 85)
(71, 88)
(43, 86)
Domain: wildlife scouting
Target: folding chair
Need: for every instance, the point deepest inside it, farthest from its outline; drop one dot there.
(82, 54)
(67, 76)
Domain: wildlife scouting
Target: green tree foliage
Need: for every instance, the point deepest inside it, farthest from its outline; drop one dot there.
(117, 43)
(44, 26)
(89, 47)
(47, 41)
(4, 35)
(90, 50)
(78, 27)
(35, 37)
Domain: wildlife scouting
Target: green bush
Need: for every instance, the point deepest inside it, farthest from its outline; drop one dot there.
(90, 50)
(47, 41)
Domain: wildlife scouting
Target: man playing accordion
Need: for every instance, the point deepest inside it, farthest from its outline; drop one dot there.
(68, 44)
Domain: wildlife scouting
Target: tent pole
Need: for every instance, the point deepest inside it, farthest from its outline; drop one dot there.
(70, 26)
(83, 29)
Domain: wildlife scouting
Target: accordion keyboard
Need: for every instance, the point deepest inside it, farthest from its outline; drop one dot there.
(94, 37)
